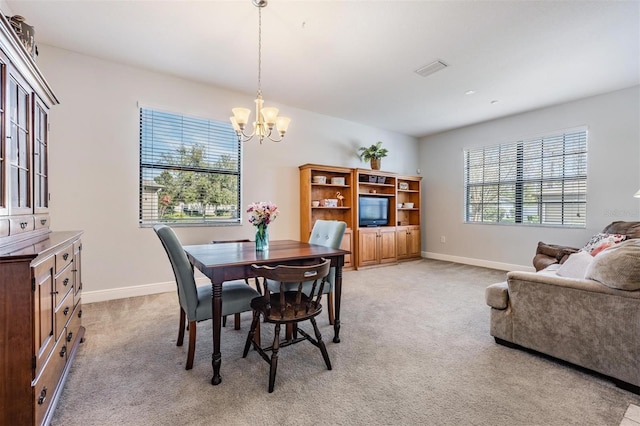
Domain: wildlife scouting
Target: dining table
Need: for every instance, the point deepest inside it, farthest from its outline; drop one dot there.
(234, 260)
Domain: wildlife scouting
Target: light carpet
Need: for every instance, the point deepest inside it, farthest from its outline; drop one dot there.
(415, 350)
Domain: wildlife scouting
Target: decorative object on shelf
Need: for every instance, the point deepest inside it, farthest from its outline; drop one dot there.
(373, 154)
(403, 186)
(408, 205)
(25, 33)
(320, 179)
(315, 203)
(261, 215)
(337, 181)
(266, 118)
(340, 198)
(331, 202)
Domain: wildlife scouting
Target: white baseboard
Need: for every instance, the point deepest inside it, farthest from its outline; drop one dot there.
(477, 262)
(133, 291)
(146, 289)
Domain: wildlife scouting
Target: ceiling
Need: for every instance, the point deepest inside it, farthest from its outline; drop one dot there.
(356, 59)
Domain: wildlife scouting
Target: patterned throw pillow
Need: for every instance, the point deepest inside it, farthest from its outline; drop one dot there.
(601, 241)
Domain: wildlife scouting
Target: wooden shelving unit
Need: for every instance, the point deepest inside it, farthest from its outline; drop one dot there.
(326, 186)
(370, 246)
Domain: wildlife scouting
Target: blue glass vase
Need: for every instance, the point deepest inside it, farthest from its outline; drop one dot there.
(262, 238)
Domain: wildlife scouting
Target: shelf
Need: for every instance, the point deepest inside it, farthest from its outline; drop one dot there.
(330, 184)
(332, 208)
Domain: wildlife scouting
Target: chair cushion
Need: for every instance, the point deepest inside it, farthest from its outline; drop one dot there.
(618, 266)
(236, 297)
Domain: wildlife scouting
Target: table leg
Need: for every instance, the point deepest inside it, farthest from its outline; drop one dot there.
(338, 297)
(216, 358)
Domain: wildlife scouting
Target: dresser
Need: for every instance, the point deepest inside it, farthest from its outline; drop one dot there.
(40, 270)
(40, 325)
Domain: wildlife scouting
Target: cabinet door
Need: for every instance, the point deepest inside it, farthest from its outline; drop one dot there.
(387, 245)
(368, 247)
(413, 241)
(19, 148)
(4, 203)
(44, 291)
(347, 245)
(402, 236)
(40, 157)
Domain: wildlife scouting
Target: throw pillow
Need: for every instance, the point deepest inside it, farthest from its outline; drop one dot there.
(602, 241)
(618, 266)
(576, 265)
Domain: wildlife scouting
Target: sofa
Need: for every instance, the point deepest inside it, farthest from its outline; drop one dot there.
(583, 309)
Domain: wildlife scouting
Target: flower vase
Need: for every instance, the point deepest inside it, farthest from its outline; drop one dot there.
(262, 238)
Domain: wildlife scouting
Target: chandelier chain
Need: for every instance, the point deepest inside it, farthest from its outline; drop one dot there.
(259, 50)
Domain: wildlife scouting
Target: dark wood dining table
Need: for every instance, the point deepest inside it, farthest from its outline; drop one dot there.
(232, 261)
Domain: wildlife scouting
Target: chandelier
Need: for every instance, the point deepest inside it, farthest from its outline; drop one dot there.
(266, 118)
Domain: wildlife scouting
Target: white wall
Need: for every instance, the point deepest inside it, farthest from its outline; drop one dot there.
(613, 177)
(94, 164)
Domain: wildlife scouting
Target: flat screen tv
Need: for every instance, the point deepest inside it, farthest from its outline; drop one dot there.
(373, 211)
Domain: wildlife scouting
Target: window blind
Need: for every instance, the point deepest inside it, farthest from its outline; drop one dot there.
(189, 170)
(537, 181)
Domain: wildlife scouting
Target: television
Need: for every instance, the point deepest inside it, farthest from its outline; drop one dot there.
(373, 211)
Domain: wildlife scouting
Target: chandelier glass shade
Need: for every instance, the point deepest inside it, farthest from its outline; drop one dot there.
(267, 119)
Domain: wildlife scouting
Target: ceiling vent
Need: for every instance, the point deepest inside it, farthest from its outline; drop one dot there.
(431, 68)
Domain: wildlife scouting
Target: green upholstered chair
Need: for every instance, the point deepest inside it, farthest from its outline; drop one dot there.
(327, 233)
(195, 302)
(289, 306)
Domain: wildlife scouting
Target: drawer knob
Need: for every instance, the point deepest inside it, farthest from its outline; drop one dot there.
(23, 225)
(65, 282)
(43, 221)
(66, 311)
(65, 256)
(80, 313)
(63, 351)
(43, 396)
(69, 336)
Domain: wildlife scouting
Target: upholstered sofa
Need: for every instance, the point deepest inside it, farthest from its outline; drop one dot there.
(585, 311)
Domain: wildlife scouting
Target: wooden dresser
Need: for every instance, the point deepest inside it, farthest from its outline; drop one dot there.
(40, 325)
(40, 270)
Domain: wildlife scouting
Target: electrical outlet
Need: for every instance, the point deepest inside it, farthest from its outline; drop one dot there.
(443, 239)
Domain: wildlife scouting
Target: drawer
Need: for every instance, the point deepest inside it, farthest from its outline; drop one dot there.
(20, 224)
(45, 385)
(73, 328)
(41, 221)
(63, 314)
(63, 258)
(64, 282)
(4, 227)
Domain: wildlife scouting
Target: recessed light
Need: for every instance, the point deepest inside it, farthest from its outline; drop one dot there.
(470, 92)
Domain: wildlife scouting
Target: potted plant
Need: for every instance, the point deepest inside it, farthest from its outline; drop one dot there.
(373, 154)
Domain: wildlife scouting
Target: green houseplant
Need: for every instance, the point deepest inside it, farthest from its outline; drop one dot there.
(373, 154)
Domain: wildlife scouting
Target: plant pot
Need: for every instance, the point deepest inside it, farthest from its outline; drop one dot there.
(375, 164)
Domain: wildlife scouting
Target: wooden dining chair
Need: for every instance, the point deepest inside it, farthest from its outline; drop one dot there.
(327, 233)
(195, 302)
(288, 307)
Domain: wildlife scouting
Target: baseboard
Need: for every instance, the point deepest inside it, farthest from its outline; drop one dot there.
(133, 291)
(146, 289)
(477, 262)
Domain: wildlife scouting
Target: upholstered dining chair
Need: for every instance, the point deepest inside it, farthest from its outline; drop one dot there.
(195, 301)
(327, 233)
(288, 307)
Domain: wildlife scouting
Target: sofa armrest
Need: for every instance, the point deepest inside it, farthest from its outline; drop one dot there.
(497, 295)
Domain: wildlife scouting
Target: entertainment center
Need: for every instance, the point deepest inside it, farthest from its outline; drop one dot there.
(381, 209)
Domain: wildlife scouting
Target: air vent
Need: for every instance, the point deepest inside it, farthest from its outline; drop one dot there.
(431, 68)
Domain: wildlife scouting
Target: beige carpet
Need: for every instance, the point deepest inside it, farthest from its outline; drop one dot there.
(415, 350)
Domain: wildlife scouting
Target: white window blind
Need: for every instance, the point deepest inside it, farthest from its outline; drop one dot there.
(537, 181)
(189, 170)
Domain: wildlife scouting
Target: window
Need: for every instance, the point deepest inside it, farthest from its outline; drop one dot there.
(538, 181)
(189, 170)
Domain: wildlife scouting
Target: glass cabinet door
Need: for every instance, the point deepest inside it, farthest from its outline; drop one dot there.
(40, 150)
(19, 149)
